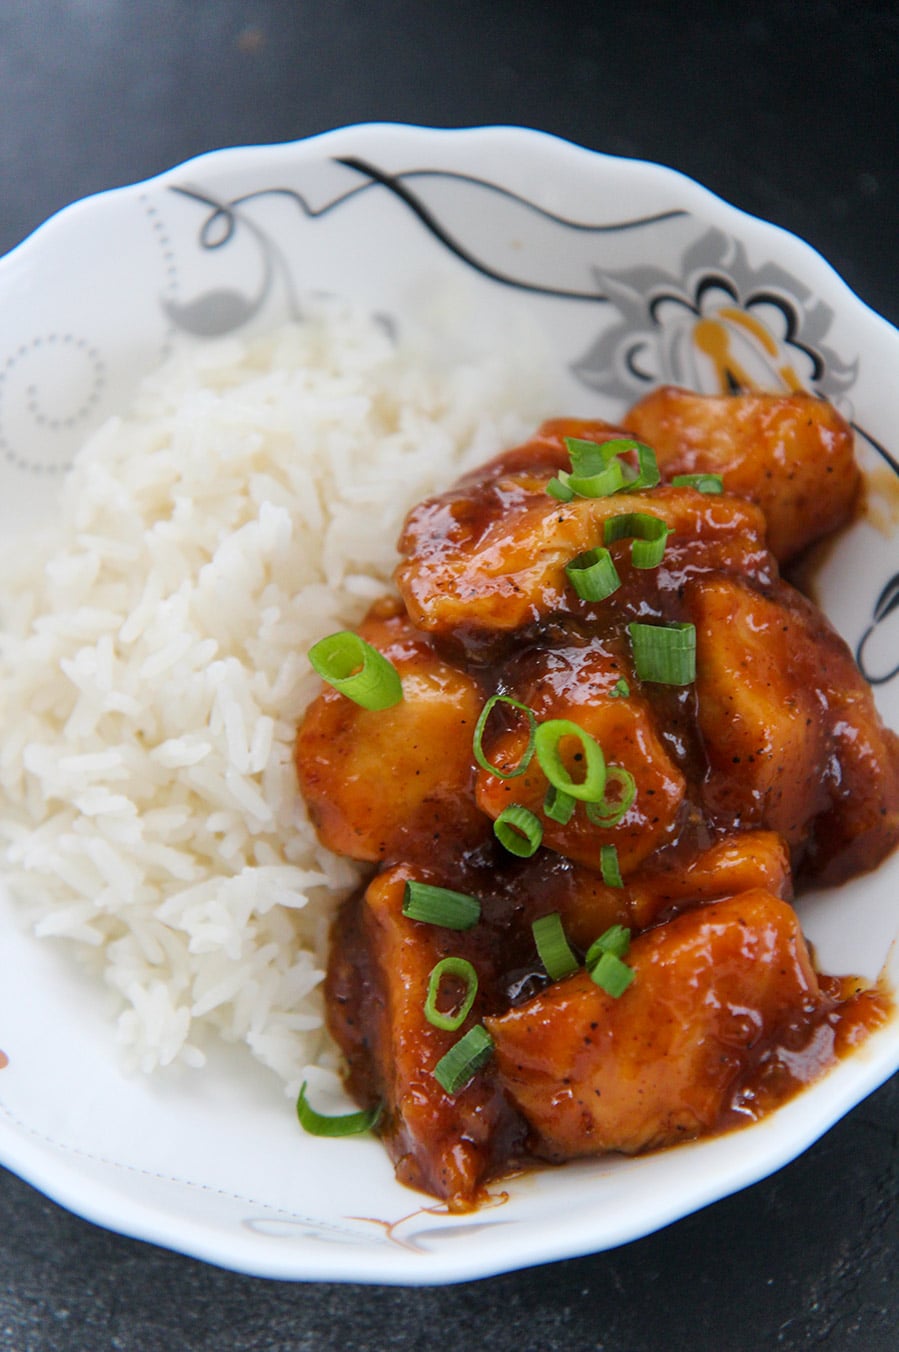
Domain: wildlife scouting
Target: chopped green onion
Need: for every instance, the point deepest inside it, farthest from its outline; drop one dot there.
(525, 758)
(440, 906)
(587, 457)
(558, 806)
(554, 949)
(610, 812)
(665, 653)
(647, 473)
(616, 939)
(620, 690)
(357, 670)
(609, 866)
(458, 967)
(593, 574)
(341, 1124)
(597, 470)
(612, 975)
(648, 534)
(610, 479)
(594, 474)
(648, 468)
(518, 830)
(549, 736)
(464, 1059)
(703, 483)
(558, 487)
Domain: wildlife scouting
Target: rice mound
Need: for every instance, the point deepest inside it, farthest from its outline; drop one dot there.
(153, 665)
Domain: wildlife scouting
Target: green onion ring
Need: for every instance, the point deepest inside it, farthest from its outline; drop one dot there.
(553, 947)
(341, 1124)
(439, 906)
(664, 653)
(648, 468)
(648, 535)
(609, 813)
(612, 975)
(609, 866)
(593, 574)
(558, 806)
(597, 470)
(587, 457)
(481, 724)
(616, 939)
(355, 669)
(558, 487)
(464, 1059)
(610, 479)
(518, 830)
(594, 472)
(451, 966)
(549, 735)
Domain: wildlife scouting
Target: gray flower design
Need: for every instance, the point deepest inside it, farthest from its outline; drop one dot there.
(719, 327)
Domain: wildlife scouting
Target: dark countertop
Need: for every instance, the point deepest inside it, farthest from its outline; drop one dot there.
(788, 110)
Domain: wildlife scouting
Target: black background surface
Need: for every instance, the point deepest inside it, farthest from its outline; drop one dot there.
(788, 110)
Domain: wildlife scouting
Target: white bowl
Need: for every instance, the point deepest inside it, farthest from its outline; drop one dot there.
(613, 260)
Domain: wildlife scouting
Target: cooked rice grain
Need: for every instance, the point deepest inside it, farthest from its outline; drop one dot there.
(153, 666)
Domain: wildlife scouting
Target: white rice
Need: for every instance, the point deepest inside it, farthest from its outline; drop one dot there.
(153, 666)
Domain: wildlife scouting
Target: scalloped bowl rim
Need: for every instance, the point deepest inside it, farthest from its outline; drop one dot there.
(781, 1138)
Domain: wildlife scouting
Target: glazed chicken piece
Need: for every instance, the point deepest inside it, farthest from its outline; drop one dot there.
(674, 881)
(490, 554)
(764, 731)
(737, 863)
(793, 739)
(576, 683)
(370, 777)
(713, 990)
(792, 454)
(376, 990)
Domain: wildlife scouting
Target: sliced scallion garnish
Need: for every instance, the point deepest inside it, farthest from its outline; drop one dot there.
(620, 690)
(612, 975)
(609, 866)
(440, 906)
(604, 960)
(464, 1059)
(518, 830)
(587, 457)
(648, 535)
(558, 488)
(552, 946)
(525, 758)
(593, 574)
(549, 736)
(606, 481)
(597, 470)
(593, 473)
(609, 811)
(558, 806)
(647, 475)
(451, 967)
(357, 670)
(703, 483)
(340, 1124)
(665, 653)
(616, 939)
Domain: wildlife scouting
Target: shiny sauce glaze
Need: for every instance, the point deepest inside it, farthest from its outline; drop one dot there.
(768, 772)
